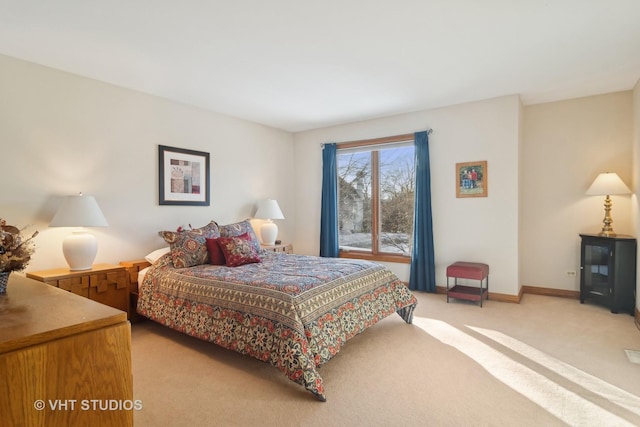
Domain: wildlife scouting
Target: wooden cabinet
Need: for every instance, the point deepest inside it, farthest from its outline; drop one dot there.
(286, 248)
(104, 283)
(608, 271)
(61, 358)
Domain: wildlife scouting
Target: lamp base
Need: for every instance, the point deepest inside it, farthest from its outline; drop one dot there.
(607, 228)
(268, 232)
(80, 249)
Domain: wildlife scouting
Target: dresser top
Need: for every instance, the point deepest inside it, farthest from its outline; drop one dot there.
(33, 312)
(64, 273)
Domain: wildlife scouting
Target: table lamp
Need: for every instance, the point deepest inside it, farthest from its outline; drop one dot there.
(607, 184)
(269, 210)
(80, 247)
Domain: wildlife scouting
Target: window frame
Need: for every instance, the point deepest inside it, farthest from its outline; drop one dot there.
(375, 255)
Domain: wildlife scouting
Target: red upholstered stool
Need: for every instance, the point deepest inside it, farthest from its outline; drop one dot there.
(468, 270)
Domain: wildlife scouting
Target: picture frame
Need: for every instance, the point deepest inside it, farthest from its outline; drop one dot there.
(472, 179)
(183, 176)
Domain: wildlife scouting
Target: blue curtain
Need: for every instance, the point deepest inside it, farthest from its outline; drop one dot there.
(329, 246)
(422, 276)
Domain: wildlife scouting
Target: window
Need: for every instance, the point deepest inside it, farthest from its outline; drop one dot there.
(376, 184)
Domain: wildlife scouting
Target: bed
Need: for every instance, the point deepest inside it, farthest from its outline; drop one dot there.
(292, 311)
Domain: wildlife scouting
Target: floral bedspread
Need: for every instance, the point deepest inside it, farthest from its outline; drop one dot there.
(292, 311)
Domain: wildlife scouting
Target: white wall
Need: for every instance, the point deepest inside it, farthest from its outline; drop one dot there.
(566, 145)
(470, 229)
(61, 134)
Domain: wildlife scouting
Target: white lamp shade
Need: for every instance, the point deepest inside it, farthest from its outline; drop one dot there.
(79, 211)
(80, 247)
(607, 184)
(269, 209)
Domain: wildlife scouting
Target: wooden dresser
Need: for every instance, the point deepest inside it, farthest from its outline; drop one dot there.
(105, 283)
(64, 360)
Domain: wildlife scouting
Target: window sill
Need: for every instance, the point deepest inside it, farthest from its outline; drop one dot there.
(371, 257)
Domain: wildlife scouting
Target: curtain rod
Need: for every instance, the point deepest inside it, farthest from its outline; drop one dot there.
(385, 139)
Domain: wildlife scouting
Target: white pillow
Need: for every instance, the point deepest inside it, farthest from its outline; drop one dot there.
(141, 274)
(155, 255)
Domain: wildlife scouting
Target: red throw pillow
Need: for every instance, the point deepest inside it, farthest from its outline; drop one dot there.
(216, 256)
(238, 250)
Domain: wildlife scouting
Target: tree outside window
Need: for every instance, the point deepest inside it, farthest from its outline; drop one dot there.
(376, 200)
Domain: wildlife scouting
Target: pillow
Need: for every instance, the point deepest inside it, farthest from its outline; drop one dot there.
(189, 247)
(155, 255)
(216, 256)
(239, 228)
(239, 250)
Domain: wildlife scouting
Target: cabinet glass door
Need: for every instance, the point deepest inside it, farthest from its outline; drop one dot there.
(596, 269)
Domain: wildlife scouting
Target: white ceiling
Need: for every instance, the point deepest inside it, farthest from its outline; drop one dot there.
(299, 65)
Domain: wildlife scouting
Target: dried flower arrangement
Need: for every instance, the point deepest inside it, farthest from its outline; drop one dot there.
(15, 250)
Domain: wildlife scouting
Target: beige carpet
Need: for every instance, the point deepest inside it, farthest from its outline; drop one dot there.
(567, 357)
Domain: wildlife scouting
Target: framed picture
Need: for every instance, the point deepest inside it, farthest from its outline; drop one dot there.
(184, 176)
(471, 179)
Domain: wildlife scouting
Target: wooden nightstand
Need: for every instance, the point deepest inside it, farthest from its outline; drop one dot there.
(133, 267)
(286, 248)
(105, 283)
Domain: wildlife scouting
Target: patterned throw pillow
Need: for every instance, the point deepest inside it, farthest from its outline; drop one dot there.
(216, 256)
(238, 228)
(239, 250)
(189, 247)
